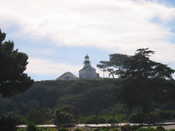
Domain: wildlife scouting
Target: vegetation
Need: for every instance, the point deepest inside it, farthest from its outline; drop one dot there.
(124, 128)
(137, 66)
(89, 101)
(64, 119)
(143, 91)
(13, 80)
(13, 63)
(8, 122)
(143, 79)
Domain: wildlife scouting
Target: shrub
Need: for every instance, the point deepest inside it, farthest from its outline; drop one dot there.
(31, 127)
(171, 130)
(8, 122)
(146, 129)
(104, 129)
(114, 129)
(160, 128)
(63, 129)
(126, 128)
(145, 118)
(96, 129)
(78, 129)
(95, 119)
(64, 119)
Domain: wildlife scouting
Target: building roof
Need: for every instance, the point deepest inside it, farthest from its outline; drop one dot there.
(67, 76)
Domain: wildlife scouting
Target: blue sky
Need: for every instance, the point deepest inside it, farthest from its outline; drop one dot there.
(58, 35)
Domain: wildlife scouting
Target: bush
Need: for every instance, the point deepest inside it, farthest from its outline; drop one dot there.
(8, 122)
(64, 119)
(78, 129)
(95, 119)
(160, 128)
(152, 117)
(171, 130)
(126, 128)
(129, 128)
(114, 129)
(104, 129)
(63, 129)
(31, 127)
(146, 129)
(167, 115)
(96, 129)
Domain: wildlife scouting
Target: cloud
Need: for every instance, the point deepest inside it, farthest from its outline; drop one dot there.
(116, 25)
(46, 67)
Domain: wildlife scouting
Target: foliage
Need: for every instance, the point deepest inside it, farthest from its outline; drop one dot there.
(142, 78)
(78, 129)
(114, 129)
(13, 63)
(115, 65)
(64, 119)
(151, 117)
(146, 129)
(31, 127)
(129, 128)
(85, 99)
(39, 116)
(137, 66)
(160, 128)
(8, 122)
(63, 129)
(140, 66)
(95, 119)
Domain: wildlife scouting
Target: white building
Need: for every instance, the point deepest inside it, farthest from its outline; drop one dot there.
(88, 72)
(67, 76)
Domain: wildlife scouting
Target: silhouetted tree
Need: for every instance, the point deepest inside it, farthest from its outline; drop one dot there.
(141, 77)
(140, 66)
(142, 80)
(13, 63)
(116, 64)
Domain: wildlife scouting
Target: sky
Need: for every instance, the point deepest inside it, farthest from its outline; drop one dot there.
(57, 34)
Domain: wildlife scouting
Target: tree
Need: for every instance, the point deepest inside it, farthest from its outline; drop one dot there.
(140, 66)
(141, 78)
(115, 65)
(13, 63)
(137, 66)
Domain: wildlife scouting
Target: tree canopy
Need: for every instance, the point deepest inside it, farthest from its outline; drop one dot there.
(13, 63)
(144, 80)
(137, 66)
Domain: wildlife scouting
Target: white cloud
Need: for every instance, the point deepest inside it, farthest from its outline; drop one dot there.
(46, 67)
(116, 25)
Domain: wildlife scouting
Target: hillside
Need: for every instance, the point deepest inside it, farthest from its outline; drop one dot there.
(84, 98)
(84, 94)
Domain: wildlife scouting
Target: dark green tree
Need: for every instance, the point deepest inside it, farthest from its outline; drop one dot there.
(13, 63)
(141, 66)
(141, 78)
(137, 66)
